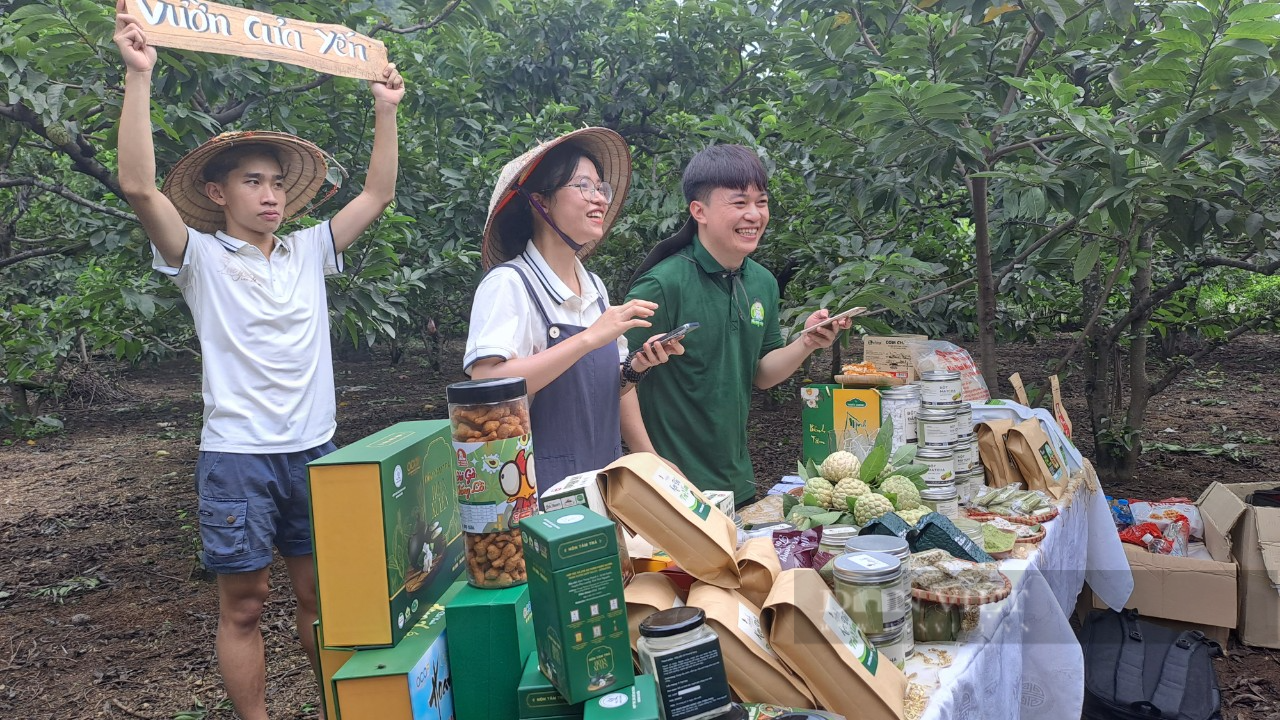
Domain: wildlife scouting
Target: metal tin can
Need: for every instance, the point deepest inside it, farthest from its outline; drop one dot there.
(936, 428)
(940, 387)
(870, 587)
(902, 404)
(941, 464)
(964, 420)
(941, 499)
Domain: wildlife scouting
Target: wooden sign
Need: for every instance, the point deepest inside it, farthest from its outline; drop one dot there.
(214, 28)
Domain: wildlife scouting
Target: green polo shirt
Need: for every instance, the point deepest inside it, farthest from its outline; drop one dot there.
(695, 406)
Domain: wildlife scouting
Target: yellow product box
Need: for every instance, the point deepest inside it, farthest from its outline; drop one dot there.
(831, 414)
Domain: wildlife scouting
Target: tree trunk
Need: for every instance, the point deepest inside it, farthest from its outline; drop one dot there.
(986, 284)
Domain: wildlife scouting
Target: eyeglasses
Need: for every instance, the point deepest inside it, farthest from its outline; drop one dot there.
(589, 189)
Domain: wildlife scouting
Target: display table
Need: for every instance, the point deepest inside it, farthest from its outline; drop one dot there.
(1022, 660)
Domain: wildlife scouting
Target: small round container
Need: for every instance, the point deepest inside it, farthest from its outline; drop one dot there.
(942, 499)
(897, 547)
(964, 420)
(940, 388)
(941, 464)
(682, 653)
(966, 451)
(936, 427)
(870, 588)
(893, 645)
(832, 543)
(490, 422)
(902, 404)
(971, 528)
(970, 483)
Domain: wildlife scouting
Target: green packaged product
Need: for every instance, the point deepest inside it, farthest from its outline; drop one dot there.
(492, 629)
(579, 611)
(538, 699)
(937, 531)
(889, 524)
(638, 702)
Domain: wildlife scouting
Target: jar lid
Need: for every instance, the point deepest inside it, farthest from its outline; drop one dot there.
(867, 567)
(888, 544)
(674, 621)
(888, 638)
(962, 441)
(938, 375)
(832, 534)
(940, 492)
(735, 712)
(488, 390)
(936, 453)
(936, 413)
(901, 392)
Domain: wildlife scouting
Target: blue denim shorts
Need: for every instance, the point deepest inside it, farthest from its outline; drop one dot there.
(250, 503)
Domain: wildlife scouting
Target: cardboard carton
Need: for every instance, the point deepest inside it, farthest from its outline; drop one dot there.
(330, 661)
(1251, 535)
(579, 611)
(388, 541)
(891, 353)
(537, 698)
(493, 630)
(410, 681)
(638, 702)
(830, 414)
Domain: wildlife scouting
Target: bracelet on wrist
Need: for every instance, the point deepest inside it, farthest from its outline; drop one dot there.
(629, 374)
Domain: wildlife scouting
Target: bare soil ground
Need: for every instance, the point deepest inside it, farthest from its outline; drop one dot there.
(106, 613)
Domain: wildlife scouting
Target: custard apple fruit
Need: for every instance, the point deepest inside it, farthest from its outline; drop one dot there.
(845, 489)
(908, 497)
(821, 489)
(840, 465)
(871, 506)
(913, 516)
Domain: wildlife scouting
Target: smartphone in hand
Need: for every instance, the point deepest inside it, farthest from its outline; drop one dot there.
(851, 312)
(679, 332)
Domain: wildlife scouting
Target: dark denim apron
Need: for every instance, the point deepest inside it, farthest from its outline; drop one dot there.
(576, 417)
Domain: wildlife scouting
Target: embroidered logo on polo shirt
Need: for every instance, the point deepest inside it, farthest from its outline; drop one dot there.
(757, 313)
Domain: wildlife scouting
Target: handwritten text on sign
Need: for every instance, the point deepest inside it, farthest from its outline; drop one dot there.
(210, 27)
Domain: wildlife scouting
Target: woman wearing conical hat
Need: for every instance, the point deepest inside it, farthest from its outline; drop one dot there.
(539, 314)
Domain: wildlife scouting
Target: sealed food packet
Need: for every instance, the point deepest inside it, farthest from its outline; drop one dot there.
(795, 548)
(1168, 510)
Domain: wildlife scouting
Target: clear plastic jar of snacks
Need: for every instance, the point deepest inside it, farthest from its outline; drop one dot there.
(496, 479)
(870, 588)
(682, 653)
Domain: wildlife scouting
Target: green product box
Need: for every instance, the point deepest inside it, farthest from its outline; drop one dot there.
(410, 681)
(538, 699)
(490, 629)
(638, 702)
(831, 413)
(388, 539)
(579, 612)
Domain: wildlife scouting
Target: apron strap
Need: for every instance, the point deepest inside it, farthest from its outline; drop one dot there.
(533, 295)
(599, 291)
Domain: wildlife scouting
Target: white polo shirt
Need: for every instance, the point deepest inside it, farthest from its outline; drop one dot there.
(263, 327)
(505, 324)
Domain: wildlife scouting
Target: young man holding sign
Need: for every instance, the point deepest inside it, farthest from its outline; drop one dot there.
(260, 311)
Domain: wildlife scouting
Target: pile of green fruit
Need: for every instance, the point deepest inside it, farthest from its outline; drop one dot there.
(844, 490)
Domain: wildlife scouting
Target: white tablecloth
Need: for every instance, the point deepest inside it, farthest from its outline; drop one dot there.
(1023, 660)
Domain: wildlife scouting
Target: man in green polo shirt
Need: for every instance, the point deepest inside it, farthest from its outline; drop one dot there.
(693, 412)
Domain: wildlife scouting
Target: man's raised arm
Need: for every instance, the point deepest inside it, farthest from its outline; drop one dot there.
(380, 181)
(136, 151)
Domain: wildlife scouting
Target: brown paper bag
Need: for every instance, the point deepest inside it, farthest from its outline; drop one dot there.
(755, 672)
(646, 594)
(1000, 468)
(656, 503)
(1059, 411)
(759, 566)
(1019, 390)
(814, 637)
(1037, 459)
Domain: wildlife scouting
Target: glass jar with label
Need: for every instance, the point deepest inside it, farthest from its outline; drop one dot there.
(893, 645)
(940, 388)
(940, 464)
(683, 655)
(966, 455)
(897, 547)
(870, 588)
(832, 543)
(496, 481)
(936, 427)
(902, 404)
(964, 420)
(942, 499)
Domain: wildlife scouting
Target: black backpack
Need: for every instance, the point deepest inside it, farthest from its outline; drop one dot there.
(1135, 670)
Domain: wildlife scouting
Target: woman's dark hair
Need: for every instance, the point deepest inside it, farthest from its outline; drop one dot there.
(514, 225)
(217, 169)
(722, 166)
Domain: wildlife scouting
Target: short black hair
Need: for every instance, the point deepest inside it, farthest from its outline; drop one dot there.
(723, 166)
(221, 165)
(514, 225)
